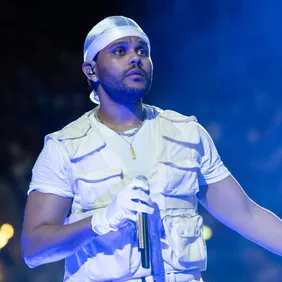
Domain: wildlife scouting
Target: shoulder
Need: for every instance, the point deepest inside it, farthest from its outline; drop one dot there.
(170, 115)
(176, 126)
(74, 129)
(78, 138)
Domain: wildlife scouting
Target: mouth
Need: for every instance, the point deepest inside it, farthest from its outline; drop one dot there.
(135, 73)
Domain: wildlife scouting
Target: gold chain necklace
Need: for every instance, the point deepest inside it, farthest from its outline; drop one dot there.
(123, 134)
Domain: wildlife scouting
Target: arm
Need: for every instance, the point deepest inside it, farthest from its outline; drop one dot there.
(44, 237)
(227, 202)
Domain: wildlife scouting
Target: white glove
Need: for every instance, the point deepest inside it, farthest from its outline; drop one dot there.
(125, 205)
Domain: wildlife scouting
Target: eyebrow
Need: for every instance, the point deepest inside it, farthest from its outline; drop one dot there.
(124, 42)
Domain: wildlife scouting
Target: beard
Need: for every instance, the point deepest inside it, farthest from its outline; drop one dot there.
(120, 92)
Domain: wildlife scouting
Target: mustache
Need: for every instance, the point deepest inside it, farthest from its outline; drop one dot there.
(137, 69)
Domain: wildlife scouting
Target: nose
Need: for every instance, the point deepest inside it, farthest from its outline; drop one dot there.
(135, 59)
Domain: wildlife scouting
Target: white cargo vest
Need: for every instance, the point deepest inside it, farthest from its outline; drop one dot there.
(96, 174)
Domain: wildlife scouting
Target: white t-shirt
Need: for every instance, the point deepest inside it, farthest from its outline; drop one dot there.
(50, 175)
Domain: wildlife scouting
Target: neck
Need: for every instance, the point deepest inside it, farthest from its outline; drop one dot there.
(121, 117)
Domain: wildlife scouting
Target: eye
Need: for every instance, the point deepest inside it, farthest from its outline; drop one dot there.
(119, 51)
(142, 52)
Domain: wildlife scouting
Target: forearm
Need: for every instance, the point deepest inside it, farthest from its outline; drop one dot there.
(49, 243)
(264, 228)
(227, 201)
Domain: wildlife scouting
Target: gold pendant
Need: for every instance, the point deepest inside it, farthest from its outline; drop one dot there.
(132, 152)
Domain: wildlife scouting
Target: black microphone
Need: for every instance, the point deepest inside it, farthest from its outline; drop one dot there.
(143, 232)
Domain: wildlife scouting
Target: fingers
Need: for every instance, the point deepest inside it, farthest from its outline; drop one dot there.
(128, 214)
(139, 195)
(138, 184)
(137, 201)
(134, 198)
(131, 208)
(142, 208)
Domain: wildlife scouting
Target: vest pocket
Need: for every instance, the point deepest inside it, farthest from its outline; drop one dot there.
(178, 178)
(186, 246)
(96, 189)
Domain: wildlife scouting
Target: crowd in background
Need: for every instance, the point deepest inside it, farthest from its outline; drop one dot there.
(237, 97)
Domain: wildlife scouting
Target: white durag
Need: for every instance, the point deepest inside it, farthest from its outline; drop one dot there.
(104, 33)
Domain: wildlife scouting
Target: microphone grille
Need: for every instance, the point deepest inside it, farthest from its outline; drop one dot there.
(142, 178)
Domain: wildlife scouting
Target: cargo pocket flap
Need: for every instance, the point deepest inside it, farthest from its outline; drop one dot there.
(189, 227)
(99, 175)
(182, 164)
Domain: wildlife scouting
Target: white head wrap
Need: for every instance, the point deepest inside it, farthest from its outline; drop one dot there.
(104, 33)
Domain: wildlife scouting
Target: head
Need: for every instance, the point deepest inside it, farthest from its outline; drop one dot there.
(117, 60)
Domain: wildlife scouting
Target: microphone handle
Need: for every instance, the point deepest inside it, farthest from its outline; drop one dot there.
(143, 239)
(143, 232)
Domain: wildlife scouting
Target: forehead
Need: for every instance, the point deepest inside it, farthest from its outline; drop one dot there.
(127, 40)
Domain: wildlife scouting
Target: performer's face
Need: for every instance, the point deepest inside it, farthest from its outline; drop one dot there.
(125, 70)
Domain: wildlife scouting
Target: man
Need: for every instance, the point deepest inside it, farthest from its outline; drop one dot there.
(125, 158)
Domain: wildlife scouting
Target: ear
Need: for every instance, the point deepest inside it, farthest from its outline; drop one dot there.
(88, 70)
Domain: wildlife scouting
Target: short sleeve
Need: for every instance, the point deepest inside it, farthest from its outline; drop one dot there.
(212, 168)
(50, 173)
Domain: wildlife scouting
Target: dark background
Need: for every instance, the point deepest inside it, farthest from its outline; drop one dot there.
(218, 60)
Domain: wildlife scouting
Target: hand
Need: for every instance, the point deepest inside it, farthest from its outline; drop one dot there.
(131, 200)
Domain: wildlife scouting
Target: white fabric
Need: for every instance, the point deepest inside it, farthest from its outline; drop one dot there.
(123, 207)
(168, 277)
(110, 36)
(53, 175)
(132, 167)
(53, 170)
